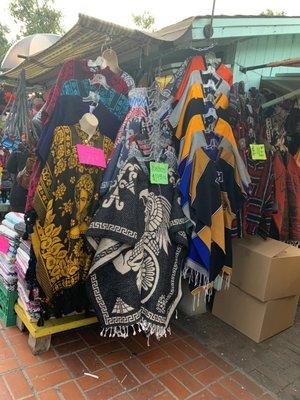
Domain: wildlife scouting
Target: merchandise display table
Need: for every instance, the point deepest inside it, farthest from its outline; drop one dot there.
(39, 339)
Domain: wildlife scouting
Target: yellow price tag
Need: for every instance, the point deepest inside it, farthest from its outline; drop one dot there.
(258, 152)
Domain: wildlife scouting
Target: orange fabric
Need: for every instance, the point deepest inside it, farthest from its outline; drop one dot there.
(195, 92)
(195, 125)
(196, 63)
(225, 73)
(223, 128)
(280, 173)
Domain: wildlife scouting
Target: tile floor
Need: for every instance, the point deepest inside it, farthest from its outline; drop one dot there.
(179, 368)
(274, 363)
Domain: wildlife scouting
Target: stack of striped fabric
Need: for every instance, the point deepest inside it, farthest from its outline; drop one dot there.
(9, 243)
(28, 301)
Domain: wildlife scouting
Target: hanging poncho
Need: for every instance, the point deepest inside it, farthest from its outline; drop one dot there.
(66, 198)
(139, 237)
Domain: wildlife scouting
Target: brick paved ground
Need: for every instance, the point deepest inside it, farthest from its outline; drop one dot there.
(177, 368)
(274, 363)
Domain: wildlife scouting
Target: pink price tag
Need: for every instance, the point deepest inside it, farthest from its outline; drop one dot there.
(4, 245)
(91, 155)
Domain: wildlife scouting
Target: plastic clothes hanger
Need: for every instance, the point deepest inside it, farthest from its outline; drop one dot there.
(99, 62)
(92, 97)
(99, 79)
(111, 59)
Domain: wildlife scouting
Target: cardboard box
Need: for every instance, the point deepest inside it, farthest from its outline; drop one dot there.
(266, 269)
(256, 319)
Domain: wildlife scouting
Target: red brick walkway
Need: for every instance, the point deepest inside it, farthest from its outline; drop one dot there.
(175, 368)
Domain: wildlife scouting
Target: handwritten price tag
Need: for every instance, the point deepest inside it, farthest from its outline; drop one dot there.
(159, 173)
(258, 152)
(90, 155)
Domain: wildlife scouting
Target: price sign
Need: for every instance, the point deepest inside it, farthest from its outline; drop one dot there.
(258, 152)
(159, 173)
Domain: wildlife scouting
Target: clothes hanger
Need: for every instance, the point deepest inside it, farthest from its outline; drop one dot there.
(99, 62)
(111, 58)
(99, 79)
(92, 97)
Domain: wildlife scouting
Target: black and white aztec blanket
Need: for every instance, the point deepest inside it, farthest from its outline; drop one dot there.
(139, 237)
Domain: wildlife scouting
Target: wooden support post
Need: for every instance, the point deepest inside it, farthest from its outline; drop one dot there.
(39, 345)
(20, 324)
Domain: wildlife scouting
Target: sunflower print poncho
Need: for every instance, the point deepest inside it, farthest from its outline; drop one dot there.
(66, 198)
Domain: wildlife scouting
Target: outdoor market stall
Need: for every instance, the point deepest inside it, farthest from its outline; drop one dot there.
(134, 188)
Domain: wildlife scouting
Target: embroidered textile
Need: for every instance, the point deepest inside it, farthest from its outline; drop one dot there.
(139, 237)
(66, 197)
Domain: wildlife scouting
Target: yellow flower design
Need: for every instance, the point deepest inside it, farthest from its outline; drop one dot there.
(50, 263)
(66, 208)
(60, 167)
(59, 136)
(78, 248)
(60, 152)
(72, 180)
(60, 191)
(72, 267)
(45, 174)
(72, 161)
(81, 168)
(49, 237)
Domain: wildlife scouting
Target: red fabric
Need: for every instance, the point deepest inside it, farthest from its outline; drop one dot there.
(196, 63)
(72, 69)
(9, 96)
(115, 81)
(280, 218)
(34, 180)
(293, 190)
(225, 73)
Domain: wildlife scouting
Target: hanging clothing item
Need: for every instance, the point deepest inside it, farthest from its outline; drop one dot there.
(260, 203)
(218, 92)
(215, 195)
(280, 217)
(128, 80)
(72, 69)
(133, 130)
(34, 180)
(115, 102)
(197, 63)
(172, 87)
(16, 163)
(122, 84)
(293, 193)
(68, 111)
(139, 237)
(63, 216)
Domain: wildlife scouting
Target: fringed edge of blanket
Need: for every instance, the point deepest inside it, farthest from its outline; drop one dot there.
(204, 289)
(149, 328)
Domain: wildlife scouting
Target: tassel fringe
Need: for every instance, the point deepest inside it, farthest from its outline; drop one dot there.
(149, 328)
(204, 289)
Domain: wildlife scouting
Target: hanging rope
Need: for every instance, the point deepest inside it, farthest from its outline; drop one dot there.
(18, 122)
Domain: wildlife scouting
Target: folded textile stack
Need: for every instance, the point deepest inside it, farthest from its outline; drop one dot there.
(28, 301)
(9, 243)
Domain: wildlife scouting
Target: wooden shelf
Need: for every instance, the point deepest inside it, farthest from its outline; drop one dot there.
(40, 336)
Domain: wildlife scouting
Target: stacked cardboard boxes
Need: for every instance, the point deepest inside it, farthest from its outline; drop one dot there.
(265, 287)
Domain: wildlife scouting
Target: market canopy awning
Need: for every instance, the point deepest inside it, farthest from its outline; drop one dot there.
(87, 38)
